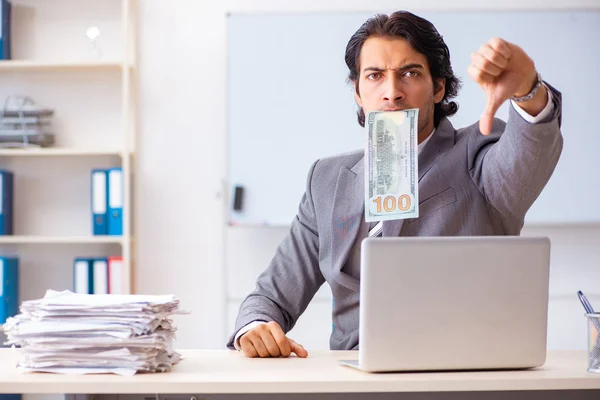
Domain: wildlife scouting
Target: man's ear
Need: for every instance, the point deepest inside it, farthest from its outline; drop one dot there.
(356, 95)
(439, 86)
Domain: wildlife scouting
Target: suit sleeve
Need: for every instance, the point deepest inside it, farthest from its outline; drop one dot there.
(292, 278)
(511, 166)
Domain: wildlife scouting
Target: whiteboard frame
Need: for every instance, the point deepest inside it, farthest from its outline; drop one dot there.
(288, 7)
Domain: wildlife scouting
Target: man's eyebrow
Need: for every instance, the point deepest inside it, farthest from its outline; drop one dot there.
(402, 68)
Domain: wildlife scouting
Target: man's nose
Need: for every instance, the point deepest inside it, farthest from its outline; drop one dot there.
(393, 91)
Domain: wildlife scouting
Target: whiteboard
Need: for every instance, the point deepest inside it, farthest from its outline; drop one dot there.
(289, 103)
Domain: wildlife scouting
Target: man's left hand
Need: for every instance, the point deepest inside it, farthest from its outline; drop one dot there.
(504, 70)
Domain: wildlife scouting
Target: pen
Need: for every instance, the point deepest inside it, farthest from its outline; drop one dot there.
(594, 356)
(588, 308)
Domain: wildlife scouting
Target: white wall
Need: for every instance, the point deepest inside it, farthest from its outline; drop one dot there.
(181, 159)
(180, 233)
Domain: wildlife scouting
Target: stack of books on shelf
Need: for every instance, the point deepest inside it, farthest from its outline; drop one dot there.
(9, 302)
(9, 287)
(106, 202)
(99, 275)
(5, 29)
(6, 202)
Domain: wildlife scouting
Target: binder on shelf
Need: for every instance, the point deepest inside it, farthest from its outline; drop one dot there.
(100, 281)
(115, 201)
(99, 196)
(9, 287)
(5, 22)
(116, 276)
(6, 202)
(83, 276)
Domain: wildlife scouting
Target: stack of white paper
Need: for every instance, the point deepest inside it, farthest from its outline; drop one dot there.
(74, 333)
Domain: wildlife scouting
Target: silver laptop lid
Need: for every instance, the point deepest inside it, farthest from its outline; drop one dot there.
(453, 303)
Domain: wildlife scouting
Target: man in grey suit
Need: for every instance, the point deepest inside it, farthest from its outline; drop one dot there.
(478, 180)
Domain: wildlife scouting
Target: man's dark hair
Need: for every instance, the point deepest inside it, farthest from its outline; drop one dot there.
(424, 38)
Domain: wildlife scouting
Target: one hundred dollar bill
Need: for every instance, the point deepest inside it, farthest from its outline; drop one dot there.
(391, 170)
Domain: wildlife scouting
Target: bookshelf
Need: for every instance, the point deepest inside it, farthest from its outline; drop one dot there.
(91, 90)
(60, 152)
(32, 65)
(70, 240)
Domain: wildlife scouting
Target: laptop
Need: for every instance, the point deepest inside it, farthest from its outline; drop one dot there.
(453, 303)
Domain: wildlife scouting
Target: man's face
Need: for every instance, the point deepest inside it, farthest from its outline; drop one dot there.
(393, 76)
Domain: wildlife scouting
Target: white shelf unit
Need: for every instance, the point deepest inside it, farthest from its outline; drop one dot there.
(59, 152)
(70, 240)
(94, 125)
(32, 65)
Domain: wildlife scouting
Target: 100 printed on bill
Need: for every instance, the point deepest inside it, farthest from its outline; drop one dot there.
(391, 165)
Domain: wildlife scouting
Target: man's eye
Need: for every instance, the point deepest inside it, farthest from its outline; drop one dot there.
(411, 74)
(374, 75)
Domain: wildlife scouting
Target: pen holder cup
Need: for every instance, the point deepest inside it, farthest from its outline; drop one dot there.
(593, 333)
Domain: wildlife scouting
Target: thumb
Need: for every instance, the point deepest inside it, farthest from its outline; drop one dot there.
(298, 349)
(487, 118)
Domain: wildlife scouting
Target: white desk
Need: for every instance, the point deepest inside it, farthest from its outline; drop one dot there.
(209, 372)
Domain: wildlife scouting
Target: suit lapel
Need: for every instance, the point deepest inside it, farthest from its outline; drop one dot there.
(346, 217)
(443, 139)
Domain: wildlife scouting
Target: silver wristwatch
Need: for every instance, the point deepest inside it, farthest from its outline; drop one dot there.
(530, 95)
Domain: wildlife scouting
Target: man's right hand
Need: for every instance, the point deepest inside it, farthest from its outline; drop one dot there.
(269, 340)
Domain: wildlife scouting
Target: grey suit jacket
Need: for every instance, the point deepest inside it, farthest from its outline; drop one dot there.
(469, 184)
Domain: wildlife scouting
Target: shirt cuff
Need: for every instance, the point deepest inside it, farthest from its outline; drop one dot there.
(240, 333)
(545, 113)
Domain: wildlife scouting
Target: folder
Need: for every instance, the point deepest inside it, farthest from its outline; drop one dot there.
(5, 22)
(6, 202)
(99, 195)
(100, 281)
(115, 201)
(116, 276)
(9, 287)
(83, 276)
(9, 300)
